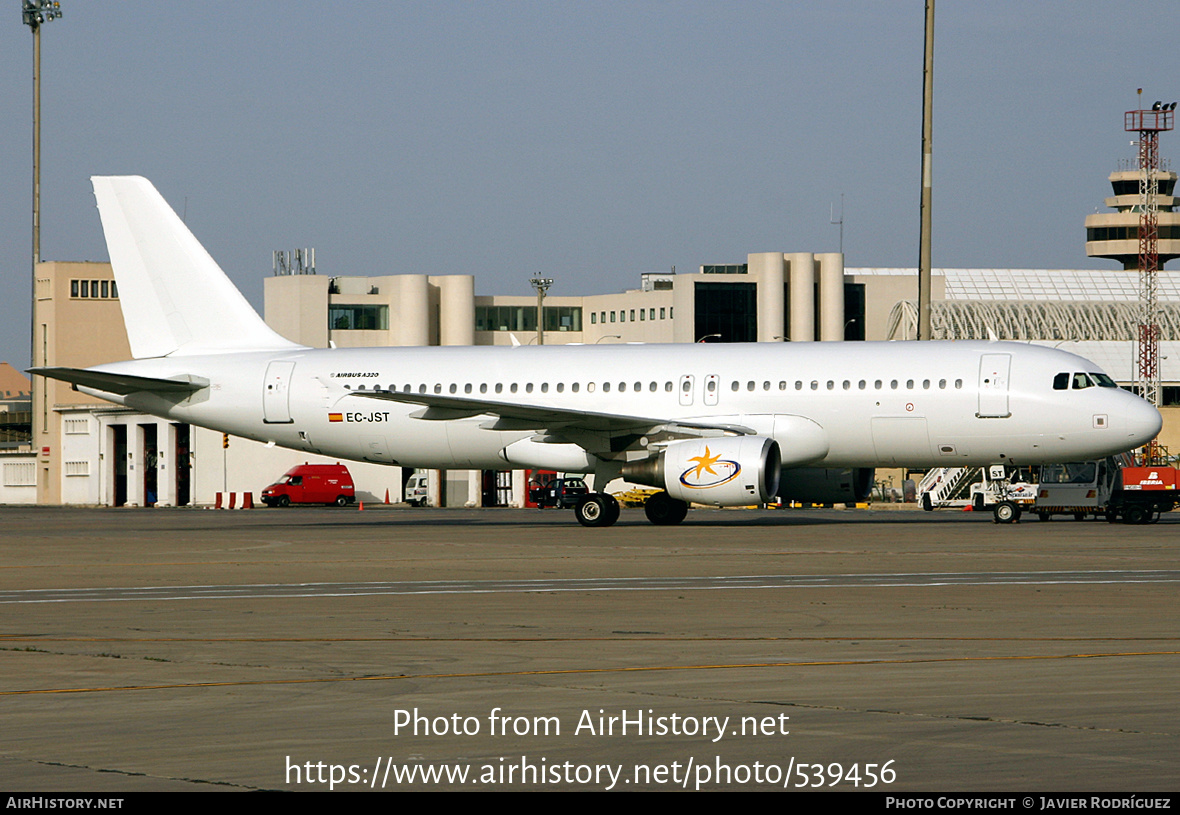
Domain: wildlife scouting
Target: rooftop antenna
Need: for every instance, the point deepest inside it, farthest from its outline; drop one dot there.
(832, 220)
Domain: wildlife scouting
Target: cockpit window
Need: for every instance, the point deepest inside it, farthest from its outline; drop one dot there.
(1104, 381)
(1081, 381)
(1061, 382)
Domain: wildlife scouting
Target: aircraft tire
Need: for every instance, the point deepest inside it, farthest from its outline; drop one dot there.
(1006, 512)
(612, 508)
(596, 509)
(664, 510)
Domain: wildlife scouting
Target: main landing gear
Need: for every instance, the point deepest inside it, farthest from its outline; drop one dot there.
(596, 509)
(600, 509)
(664, 510)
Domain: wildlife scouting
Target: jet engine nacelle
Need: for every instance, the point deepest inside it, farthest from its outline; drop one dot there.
(818, 485)
(726, 471)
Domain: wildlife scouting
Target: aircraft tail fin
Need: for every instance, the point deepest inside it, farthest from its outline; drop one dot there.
(176, 300)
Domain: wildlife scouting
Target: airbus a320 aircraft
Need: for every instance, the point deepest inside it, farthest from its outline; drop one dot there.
(727, 425)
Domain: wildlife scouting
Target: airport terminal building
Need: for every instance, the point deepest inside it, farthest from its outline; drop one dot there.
(86, 451)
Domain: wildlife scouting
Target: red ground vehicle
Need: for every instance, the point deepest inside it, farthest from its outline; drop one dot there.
(312, 484)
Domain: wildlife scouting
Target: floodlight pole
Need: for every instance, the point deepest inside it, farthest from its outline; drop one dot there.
(924, 261)
(33, 14)
(541, 284)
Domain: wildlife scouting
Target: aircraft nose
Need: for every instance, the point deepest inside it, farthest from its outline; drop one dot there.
(1141, 420)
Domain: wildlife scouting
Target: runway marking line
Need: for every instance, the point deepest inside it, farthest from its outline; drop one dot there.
(570, 671)
(618, 638)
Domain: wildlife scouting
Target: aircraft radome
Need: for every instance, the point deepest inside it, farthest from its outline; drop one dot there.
(720, 424)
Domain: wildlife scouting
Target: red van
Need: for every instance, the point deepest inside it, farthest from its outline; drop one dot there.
(312, 484)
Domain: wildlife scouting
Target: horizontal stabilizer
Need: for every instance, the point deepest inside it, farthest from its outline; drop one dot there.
(122, 384)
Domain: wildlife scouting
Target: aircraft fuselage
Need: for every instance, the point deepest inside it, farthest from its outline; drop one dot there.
(877, 404)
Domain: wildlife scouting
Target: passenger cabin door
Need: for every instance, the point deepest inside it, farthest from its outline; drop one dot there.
(276, 393)
(993, 386)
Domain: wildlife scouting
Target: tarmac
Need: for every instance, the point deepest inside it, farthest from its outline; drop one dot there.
(321, 648)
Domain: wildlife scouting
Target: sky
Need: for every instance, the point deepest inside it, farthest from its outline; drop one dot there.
(588, 142)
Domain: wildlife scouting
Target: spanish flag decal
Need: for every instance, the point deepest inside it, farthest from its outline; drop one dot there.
(335, 417)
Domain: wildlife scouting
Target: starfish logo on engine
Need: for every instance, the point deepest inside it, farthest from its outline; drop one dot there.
(710, 471)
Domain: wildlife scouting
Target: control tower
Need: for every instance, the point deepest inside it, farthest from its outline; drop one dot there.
(1115, 235)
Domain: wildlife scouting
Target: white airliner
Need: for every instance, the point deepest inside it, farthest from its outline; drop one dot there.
(722, 424)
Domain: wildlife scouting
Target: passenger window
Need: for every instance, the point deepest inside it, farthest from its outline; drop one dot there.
(513, 387)
(454, 388)
(483, 388)
(909, 384)
(622, 387)
(668, 387)
(814, 385)
(942, 384)
(958, 384)
(847, 385)
(798, 384)
(831, 384)
(575, 387)
(877, 384)
(734, 387)
(467, 388)
(606, 387)
(560, 387)
(750, 385)
(766, 386)
(528, 388)
(861, 384)
(925, 384)
(1061, 382)
(544, 387)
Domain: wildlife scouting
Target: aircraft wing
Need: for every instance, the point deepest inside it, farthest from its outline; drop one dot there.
(558, 421)
(122, 384)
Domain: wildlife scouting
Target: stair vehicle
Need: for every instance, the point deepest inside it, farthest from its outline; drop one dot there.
(1007, 492)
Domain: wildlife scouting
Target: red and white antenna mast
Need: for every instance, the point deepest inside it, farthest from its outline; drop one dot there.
(1148, 124)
